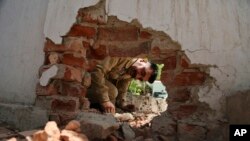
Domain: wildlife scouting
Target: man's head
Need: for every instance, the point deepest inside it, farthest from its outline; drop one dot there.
(143, 70)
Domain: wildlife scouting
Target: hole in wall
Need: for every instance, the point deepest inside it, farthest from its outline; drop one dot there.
(94, 37)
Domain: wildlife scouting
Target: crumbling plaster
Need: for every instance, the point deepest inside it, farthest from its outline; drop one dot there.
(210, 32)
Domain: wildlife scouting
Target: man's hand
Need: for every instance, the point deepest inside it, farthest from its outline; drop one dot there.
(108, 107)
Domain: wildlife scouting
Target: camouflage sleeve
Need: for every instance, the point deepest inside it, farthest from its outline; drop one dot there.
(98, 77)
(122, 87)
(98, 84)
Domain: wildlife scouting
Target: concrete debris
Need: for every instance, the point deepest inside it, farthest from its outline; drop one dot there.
(31, 117)
(128, 133)
(97, 126)
(51, 132)
(124, 116)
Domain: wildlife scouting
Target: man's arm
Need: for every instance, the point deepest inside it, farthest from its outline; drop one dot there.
(99, 86)
(122, 87)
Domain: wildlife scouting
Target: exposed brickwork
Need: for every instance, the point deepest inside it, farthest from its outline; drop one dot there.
(189, 79)
(64, 105)
(118, 33)
(93, 14)
(79, 30)
(73, 60)
(180, 95)
(170, 63)
(95, 36)
(100, 52)
(73, 89)
(51, 89)
(145, 35)
(183, 111)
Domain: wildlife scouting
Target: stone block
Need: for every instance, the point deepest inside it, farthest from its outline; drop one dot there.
(127, 131)
(23, 117)
(97, 126)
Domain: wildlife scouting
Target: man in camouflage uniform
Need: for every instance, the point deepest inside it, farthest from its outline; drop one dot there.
(111, 79)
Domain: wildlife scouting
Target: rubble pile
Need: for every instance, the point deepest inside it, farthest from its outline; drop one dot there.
(94, 126)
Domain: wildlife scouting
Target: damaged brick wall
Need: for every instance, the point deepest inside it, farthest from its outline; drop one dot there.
(95, 36)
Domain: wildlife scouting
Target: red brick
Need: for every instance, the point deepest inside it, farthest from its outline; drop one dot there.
(119, 51)
(65, 72)
(52, 58)
(68, 105)
(91, 64)
(73, 89)
(58, 103)
(128, 33)
(70, 45)
(189, 79)
(170, 63)
(99, 53)
(155, 50)
(88, 17)
(185, 61)
(167, 77)
(190, 132)
(72, 60)
(85, 44)
(79, 30)
(51, 46)
(145, 35)
(51, 89)
(180, 95)
(183, 111)
(72, 74)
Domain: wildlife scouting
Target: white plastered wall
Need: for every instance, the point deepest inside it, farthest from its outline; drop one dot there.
(21, 48)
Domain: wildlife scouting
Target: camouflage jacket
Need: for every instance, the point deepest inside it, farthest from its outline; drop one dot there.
(114, 70)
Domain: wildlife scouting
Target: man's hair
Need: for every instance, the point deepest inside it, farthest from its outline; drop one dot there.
(154, 74)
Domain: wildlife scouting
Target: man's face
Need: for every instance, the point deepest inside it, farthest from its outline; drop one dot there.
(141, 70)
